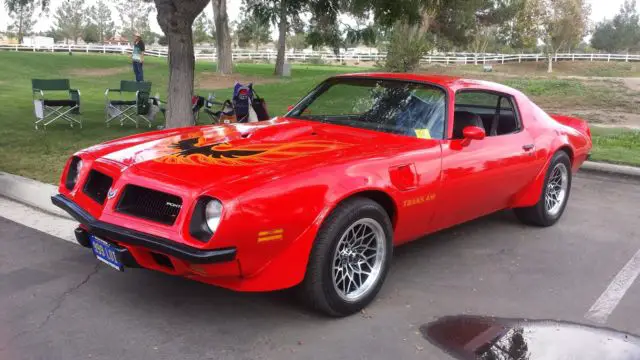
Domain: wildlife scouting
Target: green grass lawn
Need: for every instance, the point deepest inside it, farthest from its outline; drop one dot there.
(620, 146)
(559, 94)
(41, 154)
(539, 69)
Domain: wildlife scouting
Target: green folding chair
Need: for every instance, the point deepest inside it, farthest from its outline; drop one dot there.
(132, 109)
(48, 109)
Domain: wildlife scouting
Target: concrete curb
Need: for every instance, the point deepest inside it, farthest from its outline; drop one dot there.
(37, 194)
(611, 169)
(30, 192)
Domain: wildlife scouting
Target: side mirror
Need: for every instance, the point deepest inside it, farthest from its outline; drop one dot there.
(289, 108)
(472, 133)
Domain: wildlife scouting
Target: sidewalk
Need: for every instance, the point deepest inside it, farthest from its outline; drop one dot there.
(30, 192)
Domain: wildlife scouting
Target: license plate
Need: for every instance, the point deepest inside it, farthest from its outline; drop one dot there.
(106, 253)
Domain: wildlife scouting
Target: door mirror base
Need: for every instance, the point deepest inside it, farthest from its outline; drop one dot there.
(472, 133)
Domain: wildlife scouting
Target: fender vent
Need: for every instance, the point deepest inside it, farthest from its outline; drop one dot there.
(97, 186)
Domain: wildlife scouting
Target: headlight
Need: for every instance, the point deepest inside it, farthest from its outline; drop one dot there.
(212, 214)
(74, 173)
(206, 218)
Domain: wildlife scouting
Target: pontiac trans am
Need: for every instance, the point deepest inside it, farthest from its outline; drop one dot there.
(318, 198)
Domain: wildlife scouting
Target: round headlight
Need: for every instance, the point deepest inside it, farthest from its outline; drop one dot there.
(213, 214)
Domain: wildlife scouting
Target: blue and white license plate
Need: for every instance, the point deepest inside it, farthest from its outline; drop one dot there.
(106, 253)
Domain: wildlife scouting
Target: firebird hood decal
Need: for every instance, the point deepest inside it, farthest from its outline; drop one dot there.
(196, 151)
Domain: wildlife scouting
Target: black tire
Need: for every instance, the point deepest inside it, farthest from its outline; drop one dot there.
(317, 289)
(538, 215)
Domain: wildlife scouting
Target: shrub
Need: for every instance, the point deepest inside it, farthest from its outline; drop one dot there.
(315, 60)
(407, 46)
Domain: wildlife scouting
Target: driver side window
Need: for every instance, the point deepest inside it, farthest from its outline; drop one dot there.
(495, 112)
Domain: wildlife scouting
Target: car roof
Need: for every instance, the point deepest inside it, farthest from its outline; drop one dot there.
(452, 82)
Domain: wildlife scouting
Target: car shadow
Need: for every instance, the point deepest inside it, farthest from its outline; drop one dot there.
(156, 300)
(202, 300)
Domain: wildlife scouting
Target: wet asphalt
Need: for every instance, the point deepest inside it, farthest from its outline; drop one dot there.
(58, 302)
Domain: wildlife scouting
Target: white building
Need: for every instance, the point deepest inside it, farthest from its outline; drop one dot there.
(37, 41)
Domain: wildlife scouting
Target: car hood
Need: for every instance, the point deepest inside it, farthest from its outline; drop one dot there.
(223, 154)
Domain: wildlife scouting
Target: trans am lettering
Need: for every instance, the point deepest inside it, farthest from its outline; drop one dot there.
(195, 151)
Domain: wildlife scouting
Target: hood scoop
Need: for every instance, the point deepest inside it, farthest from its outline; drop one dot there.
(280, 132)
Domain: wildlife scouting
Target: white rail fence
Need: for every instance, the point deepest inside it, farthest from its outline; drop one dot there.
(209, 53)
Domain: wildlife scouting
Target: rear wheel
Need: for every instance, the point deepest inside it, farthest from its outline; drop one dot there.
(350, 258)
(555, 194)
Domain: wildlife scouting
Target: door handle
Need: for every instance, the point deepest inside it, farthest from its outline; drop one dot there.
(528, 147)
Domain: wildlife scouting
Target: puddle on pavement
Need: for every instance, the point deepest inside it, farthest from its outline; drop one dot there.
(486, 338)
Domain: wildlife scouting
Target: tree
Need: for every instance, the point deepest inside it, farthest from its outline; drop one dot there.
(521, 31)
(14, 5)
(408, 43)
(23, 21)
(627, 26)
(253, 30)
(297, 41)
(52, 33)
(563, 24)
(325, 27)
(223, 37)
(70, 19)
(100, 16)
(485, 38)
(162, 41)
(90, 33)
(283, 13)
(202, 29)
(175, 18)
(604, 37)
(447, 23)
(620, 33)
(134, 15)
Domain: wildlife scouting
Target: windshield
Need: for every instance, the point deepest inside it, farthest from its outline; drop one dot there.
(392, 106)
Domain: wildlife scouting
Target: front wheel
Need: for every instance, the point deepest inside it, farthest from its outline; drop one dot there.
(555, 194)
(350, 258)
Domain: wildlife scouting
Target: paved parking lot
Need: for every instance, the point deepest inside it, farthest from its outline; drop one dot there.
(57, 302)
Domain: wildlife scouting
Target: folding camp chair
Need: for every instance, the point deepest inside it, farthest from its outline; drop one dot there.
(130, 109)
(48, 110)
(197, 103)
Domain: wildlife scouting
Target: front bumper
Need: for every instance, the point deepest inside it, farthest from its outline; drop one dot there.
(128, 236)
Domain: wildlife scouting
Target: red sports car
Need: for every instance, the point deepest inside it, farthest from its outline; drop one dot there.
(319, 197)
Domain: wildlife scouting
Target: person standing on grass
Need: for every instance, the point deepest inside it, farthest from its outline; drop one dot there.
(137, 57)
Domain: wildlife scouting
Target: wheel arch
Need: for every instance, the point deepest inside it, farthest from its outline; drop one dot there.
(566, 148)
(289, 267)
(531, 194)
(379, 196)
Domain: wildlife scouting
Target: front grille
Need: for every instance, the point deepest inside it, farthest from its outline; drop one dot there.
(97, 186)
(149, 204)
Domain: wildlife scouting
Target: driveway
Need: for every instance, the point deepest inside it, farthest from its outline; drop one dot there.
(58, 302)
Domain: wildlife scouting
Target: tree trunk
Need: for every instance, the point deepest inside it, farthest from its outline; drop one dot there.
(181, 68)
(175, 17)
(282, 38)
(550, 68)
(223, 38)
(20, 31)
